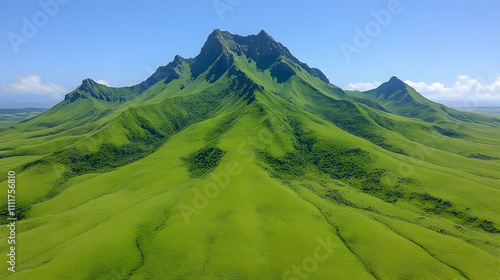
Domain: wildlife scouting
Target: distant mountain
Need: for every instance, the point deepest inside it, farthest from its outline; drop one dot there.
(401, 99)
(245, 163)
(9, 116)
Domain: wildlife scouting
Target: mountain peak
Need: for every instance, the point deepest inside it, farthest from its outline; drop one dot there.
(88, 81)
(88, 85)
(178, 58)
(218, 35)
(216, 32)
(394, 84)
(88, 88)
(263, 33)
(395, 79)
(394, 90)
(262, 42)
(261, 48)
(213, 47)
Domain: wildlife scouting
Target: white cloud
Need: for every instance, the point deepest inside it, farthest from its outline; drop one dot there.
(363, 86)
(465, 87)
(33, 84)
(103, 82)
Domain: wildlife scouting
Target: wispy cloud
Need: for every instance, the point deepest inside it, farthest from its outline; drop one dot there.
(103, 82)
(363, 86)
(33, 84)
(464, 87)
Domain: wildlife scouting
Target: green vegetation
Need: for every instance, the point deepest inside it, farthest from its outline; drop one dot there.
(337, 161)
(271, 161)
(481, 156)
(203, 161)
(353, 166)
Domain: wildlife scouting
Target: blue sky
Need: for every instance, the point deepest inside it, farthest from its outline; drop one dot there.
(448, 50)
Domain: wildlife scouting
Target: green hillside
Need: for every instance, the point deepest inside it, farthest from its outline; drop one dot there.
(245, 163)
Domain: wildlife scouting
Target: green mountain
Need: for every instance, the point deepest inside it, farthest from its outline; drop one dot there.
(245, 163)
(397, 97)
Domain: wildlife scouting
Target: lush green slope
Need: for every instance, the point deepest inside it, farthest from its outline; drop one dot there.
(244, 163)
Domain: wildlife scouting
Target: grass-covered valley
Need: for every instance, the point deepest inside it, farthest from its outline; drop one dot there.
(243, 161)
